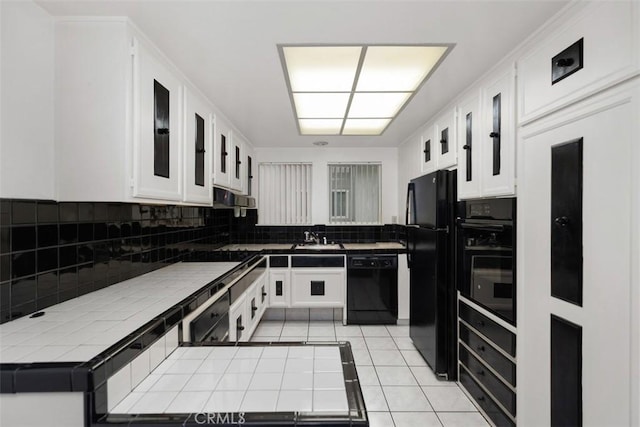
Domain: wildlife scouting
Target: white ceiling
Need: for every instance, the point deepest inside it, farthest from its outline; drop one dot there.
(229, 49)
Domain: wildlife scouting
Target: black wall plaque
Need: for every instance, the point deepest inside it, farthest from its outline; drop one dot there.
(161, 130)
(199, 166)
(566, 221)
(567, 62)
(566, 373)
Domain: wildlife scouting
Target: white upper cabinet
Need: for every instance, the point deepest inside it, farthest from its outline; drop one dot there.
(445, 140)
(499, 134)
(157, 166)
(429, 146)
(197, 149)
(470, 147)
(587, 51)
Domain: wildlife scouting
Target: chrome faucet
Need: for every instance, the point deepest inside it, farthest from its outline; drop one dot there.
(311, 237)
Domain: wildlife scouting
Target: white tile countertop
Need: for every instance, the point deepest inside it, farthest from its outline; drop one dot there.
(376, 245)
(81, 328)
(286, 246)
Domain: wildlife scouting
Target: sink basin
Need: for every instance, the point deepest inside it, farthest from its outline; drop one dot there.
(318, 247)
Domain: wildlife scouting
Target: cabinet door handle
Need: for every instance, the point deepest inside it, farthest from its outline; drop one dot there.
(264, 294)
(480, 372)
(466, 147)
(163, 131)
(254, 308)
(480, 398)
(564, 62)
(443, 141)
(494, 135)
(561, 221)
(481, 348)
(241, 328)
(201, 151)
(214, 315)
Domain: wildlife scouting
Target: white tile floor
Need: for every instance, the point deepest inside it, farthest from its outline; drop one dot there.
(399, 389)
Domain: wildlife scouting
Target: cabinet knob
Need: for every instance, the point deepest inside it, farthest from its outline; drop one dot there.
(480, 398)
(443, 141)
(561, 221)
(466, 147)
(494, 135)
(480, 372)
(254, 308)
(214, 315)
(240, 328)
(200, 150)
(264, 294)
(250, 176)
(163, 131)
(564, 62)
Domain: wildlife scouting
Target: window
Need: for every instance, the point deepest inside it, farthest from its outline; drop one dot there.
(354, 193)
(285, 193)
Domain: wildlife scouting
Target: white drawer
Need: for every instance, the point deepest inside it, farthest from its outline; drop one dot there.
(611, 43)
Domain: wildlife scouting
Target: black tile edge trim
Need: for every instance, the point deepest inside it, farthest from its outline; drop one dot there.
(86, 376)
(356, 415)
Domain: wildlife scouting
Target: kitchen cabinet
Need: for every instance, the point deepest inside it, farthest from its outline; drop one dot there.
(247, 310)
(446, 149)
(498, 145)
(222, 153)
(197, 153)
(608, 32)
(470, 146)
(249, 168)
(238, 320)
(597, 329)
(317, 287)
(157, 137)
(238, 165)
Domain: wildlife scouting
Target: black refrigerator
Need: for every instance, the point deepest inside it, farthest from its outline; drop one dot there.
(431, 201)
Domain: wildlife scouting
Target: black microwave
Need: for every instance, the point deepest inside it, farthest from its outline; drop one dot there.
(486, 255)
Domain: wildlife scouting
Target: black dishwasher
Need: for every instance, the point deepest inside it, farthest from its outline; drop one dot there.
(372, 289)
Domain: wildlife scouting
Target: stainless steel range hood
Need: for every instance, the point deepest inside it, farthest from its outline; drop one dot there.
(223, 198)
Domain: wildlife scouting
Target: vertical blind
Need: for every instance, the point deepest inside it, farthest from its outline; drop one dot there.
(285, 193)
(354, 193)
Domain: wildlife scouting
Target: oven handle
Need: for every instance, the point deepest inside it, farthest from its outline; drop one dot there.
(486, 227)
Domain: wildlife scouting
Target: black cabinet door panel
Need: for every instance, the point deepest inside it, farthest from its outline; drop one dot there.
(199, 159)
(161, 130)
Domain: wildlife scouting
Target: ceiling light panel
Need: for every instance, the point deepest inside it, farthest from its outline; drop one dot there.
(320, 126)
(321, 105)
(370, 105)
(365, 126)
(397, 68)
(322, 68)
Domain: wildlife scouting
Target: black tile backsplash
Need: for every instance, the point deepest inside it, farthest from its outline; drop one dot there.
(51, 252)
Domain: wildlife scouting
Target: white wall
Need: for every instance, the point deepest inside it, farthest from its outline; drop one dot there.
(322, 156)
(26, 134)
(409, 167)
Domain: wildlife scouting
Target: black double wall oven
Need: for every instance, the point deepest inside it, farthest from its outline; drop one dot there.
(486, 255)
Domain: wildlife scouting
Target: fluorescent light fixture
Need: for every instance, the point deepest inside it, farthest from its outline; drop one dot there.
(355, 89)
(365, 126)
(321, 105)
(377, 104)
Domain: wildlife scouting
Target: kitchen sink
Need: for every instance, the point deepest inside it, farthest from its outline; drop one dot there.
(318, 246)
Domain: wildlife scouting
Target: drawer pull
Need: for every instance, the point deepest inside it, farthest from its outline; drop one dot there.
(481, 348)
(480, 372)
(214, 315)
(480, 323)
(213, 339)
(480, 398)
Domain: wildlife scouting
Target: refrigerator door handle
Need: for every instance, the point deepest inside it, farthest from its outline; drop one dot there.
(411, 205)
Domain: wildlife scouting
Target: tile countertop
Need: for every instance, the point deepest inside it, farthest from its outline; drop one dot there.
(81, 328)
(289, 247)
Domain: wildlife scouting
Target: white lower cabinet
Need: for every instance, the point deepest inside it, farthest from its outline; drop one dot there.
(279, 287)
(245, 312)
(317, 287)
